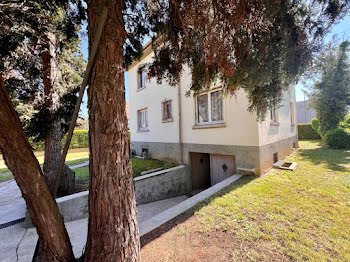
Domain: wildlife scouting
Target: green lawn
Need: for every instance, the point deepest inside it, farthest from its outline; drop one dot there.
(283, 215)
(74, 156)
(138, 166)
(82, 174)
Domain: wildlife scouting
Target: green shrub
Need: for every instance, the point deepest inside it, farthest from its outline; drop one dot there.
(80, 139)
(337, 138)
(347, 119)
(315, 123)
(305, 131)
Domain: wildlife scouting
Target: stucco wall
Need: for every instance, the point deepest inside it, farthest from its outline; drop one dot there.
(241, 126)
(151, 97)
(269, 133)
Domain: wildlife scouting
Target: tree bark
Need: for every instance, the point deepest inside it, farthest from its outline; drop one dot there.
(113, 230)
(20, 159)
(53, 140)
(53, 144)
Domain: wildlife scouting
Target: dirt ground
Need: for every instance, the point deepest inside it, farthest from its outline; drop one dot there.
(178, 241)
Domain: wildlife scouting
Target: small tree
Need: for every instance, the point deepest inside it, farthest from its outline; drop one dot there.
(331, 95)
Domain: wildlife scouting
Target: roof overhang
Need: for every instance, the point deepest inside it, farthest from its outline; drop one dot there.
(147, 49)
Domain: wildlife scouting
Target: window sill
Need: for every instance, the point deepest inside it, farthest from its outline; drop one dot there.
(142, 130)
(139, 89)
(205, 126)
(272, 123)
(168, 120)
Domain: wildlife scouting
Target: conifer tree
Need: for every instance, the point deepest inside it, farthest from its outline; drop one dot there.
(330, 96)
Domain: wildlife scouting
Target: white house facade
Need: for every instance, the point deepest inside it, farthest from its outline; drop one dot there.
(210, 132)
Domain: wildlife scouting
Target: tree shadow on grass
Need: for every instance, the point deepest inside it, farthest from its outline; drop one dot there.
(335, 159)
(158, 232)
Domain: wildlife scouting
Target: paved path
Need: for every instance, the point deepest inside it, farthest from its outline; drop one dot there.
(12, 205)
(24, 240)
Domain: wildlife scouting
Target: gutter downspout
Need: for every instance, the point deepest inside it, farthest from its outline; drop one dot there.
(180, 120)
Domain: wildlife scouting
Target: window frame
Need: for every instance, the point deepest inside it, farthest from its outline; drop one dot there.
(210, 122)
(292, 113)
(139, 128)
(141, 79)
(275, 121)
(170, 119)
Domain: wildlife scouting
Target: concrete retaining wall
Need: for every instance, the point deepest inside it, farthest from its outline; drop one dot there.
(163, 184)
(152, 187)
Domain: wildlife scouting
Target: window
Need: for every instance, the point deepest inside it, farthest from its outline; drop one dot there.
(142, 116)
(274, 115)
(292, 116)
(167, 111)
(141, 79)
(209, 107)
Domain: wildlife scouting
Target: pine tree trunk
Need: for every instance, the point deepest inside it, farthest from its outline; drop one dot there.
(53, 143)
(53, 139)
(113, 230)
(20, 159)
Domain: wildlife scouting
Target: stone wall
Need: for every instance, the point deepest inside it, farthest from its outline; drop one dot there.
(152, 187)
(283, 148)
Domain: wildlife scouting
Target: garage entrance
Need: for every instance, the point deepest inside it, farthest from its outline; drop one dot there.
(210, 169)
(200, 171)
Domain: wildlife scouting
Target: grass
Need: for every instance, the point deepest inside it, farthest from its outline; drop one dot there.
(74, 156)
(283, 215)
(138, 166)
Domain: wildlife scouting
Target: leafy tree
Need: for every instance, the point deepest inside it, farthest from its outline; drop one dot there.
(44, 72)
(42, 65)
(331, 95)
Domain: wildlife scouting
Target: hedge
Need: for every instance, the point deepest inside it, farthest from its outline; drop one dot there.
(80, 139)
(305, 131)
(337, 138)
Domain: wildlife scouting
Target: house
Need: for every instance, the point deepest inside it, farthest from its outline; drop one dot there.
(305, 113)
(213, 134)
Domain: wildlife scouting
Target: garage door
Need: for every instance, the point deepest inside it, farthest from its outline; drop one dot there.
(221, 167)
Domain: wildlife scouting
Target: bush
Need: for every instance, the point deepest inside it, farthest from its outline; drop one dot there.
(315, 123)
(80, 139)
(337, 138)
(305, 131)
(347, 119)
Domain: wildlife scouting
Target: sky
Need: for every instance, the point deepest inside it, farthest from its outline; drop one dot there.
(341, 30)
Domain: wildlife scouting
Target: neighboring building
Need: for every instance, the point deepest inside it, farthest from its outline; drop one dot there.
(216, 136)
(304, 112)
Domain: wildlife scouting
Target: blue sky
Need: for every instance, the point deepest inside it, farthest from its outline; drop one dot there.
(341, 30)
